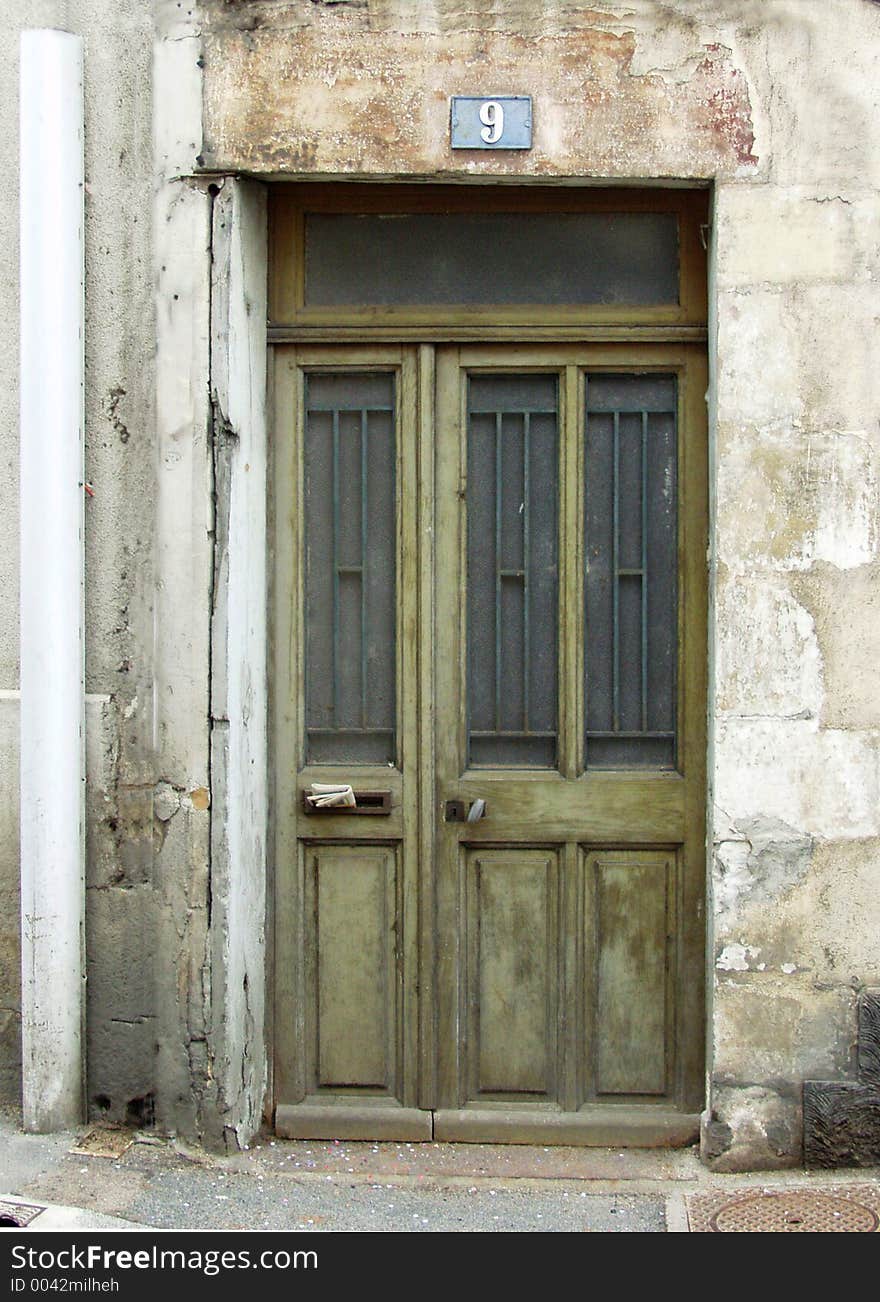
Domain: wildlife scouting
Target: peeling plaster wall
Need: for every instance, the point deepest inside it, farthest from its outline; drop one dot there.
(796, 773)
(210, 717)
(175, 911)
(349, 89)
(775, 102)
(239, 759)
(185, 522)
(118, 539)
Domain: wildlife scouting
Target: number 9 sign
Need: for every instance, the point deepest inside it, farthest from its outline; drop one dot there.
(492, 118)
(491, 122)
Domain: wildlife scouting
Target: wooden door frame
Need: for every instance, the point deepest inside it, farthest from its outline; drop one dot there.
(368, 331)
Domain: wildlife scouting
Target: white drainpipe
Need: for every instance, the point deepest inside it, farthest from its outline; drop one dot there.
(52, 685)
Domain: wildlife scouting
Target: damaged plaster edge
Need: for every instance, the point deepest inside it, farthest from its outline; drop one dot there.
(185, 1087)
(717, 42)
(751, 1126)
(91, 698)
(712, 806)
(215, 166)
(238, 668)
(178, 93)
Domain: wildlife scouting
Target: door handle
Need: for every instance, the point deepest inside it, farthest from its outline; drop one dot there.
(458, 811)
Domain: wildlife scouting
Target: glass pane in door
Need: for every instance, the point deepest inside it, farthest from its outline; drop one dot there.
(350, 551)
(631, 601)
(512, 570)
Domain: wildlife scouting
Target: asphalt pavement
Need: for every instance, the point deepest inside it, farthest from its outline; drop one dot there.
(104, 1178)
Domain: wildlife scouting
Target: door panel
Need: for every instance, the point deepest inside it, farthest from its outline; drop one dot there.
(512, 973)
(628, 907)
(351, 903)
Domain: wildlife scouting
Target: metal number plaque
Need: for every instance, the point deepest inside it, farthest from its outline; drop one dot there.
(491, 122)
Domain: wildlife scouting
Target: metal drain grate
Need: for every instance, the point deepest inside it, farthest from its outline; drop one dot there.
(18, 1214)
(848, 1210)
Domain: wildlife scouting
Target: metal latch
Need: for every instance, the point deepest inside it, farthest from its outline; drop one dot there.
(458, 811)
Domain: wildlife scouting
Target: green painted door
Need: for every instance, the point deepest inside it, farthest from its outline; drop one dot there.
(570, 700)
(489, 622)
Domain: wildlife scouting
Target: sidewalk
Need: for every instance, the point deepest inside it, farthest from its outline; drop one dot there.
(133, 1179)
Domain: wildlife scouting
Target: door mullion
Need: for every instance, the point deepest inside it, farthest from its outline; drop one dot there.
(450, 683)
(571, 721)
(571, 651)
(408, 714)
(425, 533)
(288, 1075)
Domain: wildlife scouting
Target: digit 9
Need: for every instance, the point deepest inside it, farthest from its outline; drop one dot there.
(492, 117)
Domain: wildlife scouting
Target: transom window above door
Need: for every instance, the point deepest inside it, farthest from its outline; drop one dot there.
(379, 257)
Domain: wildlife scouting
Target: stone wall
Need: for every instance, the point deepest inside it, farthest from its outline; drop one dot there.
(776, 104)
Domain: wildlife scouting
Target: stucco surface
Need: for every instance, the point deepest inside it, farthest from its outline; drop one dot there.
(776, 103)
(119, 466)
(797, 640)
(353, 92)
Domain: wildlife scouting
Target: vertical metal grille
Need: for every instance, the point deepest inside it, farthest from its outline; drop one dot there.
(631, 524)
(512, 570)
(350, 568)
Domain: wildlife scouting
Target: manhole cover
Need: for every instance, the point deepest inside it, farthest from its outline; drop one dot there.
(18, 1214)
(791, 1211)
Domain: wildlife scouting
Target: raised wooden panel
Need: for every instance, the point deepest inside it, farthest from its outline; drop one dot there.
(628, 909)
(353, 981)
(512, 956)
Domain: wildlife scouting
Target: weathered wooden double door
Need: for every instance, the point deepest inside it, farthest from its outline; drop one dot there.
(490, 623)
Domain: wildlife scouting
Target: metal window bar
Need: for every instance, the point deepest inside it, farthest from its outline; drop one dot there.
(337, 692)
(527, 663)
(528, 732)
(640, 574)
(519, 576)
(615, 576)
(498, 570)
(643, 490)
(510, 574)
(352, 732)
(364, 518)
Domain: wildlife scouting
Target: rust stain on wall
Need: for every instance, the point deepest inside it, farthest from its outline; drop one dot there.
(729, 113)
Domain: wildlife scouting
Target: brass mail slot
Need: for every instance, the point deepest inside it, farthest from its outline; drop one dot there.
(366, 802)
